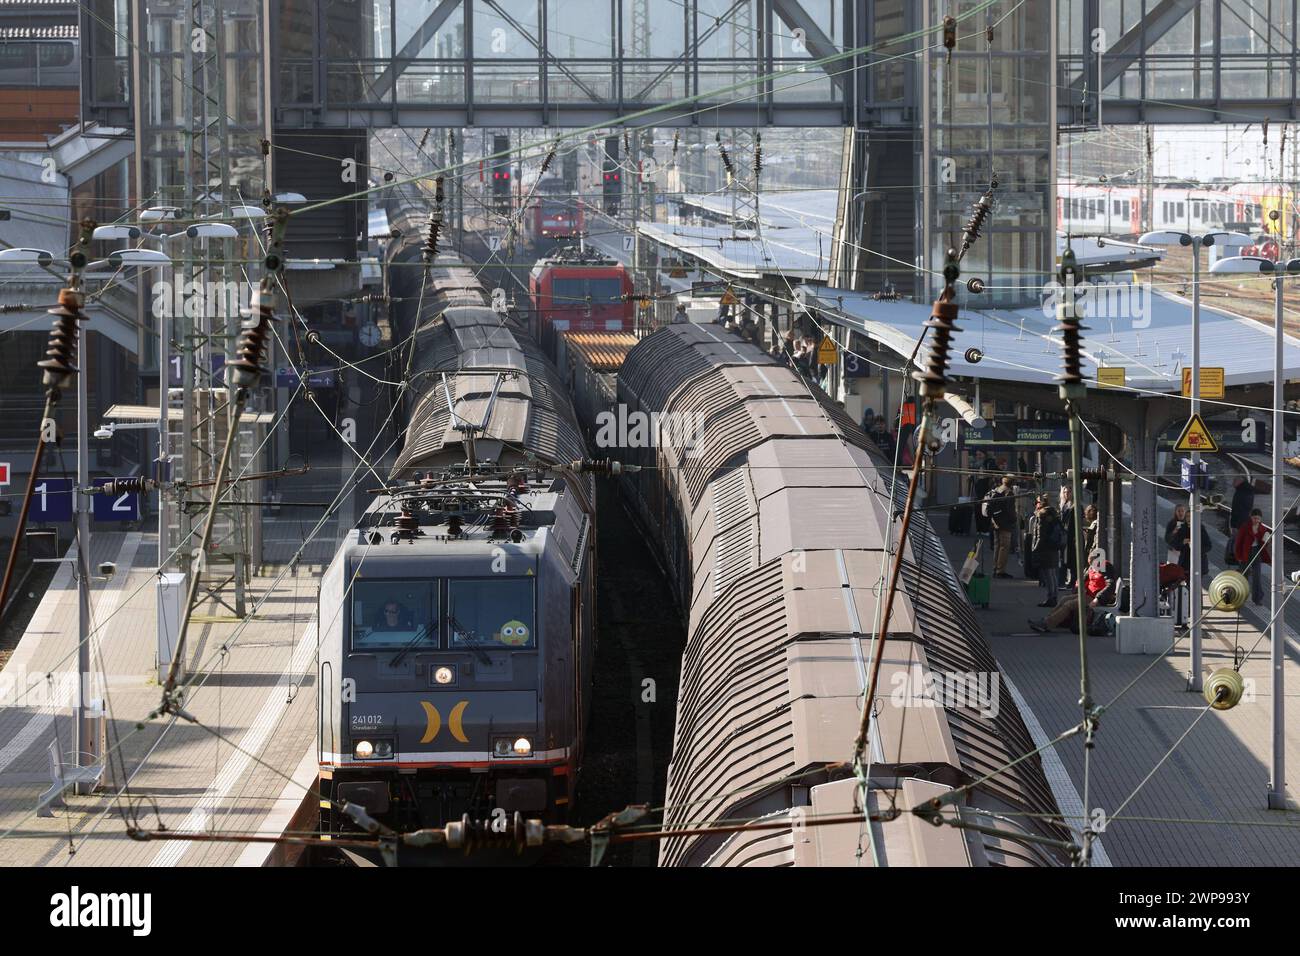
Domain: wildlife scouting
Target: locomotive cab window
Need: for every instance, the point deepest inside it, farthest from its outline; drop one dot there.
(394, 614)
(568, 293)
(582, 292)
(496, 612)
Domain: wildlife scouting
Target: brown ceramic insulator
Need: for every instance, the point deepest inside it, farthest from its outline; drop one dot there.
(942, 323)
(429, 251)
(244, 370)
(1071, 330)
(60, 362)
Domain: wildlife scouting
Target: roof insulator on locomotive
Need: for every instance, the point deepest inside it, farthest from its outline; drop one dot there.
(454, 526)
(407, 526)
(505, 521)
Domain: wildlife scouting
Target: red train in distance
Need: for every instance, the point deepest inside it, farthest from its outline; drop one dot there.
(554, 217)
(578, 290)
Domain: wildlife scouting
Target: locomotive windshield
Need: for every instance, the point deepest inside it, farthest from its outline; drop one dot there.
(394, 614)
(583, 292)
(491, 612)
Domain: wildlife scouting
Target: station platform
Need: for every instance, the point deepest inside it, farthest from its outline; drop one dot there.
(1206, 803)
(246, 769)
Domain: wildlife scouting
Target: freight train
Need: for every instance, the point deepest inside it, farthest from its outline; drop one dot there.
(457, 620)
(772, 513)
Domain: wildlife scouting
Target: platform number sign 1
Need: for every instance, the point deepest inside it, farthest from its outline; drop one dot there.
(124, 507)
(52, 500)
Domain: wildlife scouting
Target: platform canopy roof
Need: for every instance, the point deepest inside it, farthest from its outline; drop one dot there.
(1019, 345)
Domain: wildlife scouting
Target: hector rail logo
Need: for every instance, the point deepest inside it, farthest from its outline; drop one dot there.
(77, 909)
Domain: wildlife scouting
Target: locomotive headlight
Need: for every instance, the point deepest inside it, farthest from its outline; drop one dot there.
(523, 747)
(501, 747)
(363, 749)
(444, 675)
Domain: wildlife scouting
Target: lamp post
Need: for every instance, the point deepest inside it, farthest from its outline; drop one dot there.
(1172, 238)
(86, 739)
(1276, 629)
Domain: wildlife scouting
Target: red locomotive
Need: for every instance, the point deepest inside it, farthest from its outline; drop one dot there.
(577, 290)
(555, 216)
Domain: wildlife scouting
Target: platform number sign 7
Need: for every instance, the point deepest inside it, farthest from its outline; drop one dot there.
(124, 507)
(629, 243)
(52, 500)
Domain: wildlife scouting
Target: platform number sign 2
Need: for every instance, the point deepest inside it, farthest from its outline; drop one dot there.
(124, 507)
(52, 500)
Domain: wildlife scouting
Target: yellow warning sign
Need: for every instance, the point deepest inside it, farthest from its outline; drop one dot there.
(1195, 437)
(1211, 382)
(729, 297)
(1114, 376)
(827, 353)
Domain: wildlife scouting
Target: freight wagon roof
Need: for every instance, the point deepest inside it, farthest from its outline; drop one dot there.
(788, 520)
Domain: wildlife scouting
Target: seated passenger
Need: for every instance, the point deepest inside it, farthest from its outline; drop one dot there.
(1100, 589)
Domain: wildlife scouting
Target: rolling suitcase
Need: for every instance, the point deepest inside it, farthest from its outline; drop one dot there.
(959, 519)
(977, 590)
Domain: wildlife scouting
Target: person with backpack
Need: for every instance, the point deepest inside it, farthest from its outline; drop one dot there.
(1046, 540)
(1000, 508)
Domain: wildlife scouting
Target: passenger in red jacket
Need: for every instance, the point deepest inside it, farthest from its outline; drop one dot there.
(1251, 551)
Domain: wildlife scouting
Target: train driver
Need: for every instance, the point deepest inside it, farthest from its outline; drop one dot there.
(394, 617)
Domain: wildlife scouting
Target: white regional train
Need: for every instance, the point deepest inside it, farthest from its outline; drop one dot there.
(1117, 210)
